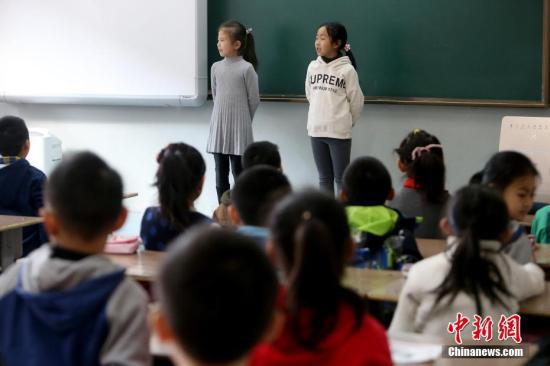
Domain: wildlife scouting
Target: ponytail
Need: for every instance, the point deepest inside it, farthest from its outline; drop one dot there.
(249, 50)
(476, 214)
(313, 283)
(422, 155)
(351, 58)
(311, 234)
(239, 32)
(428, 171)
(338, 33)
(180, 171)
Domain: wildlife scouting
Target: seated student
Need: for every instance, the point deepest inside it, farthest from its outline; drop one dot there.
(262, 153)
(473, 277)
(21, 184)
(515, 177)
(540, 227)
(365, 188)
(254, 194)
(217, 294)
(66, 304)
(423, 194)
(257, 153)
(324, 322)
(180, 177)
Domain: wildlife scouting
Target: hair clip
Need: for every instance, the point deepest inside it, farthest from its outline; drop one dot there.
(347, 47)
(419, 150)
(248, 30)
(417, 130)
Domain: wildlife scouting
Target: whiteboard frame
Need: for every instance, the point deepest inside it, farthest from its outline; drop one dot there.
(201, 81)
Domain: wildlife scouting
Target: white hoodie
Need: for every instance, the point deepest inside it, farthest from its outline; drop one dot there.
(335, 98)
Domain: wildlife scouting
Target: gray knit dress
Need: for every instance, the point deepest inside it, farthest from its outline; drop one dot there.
(236, 98)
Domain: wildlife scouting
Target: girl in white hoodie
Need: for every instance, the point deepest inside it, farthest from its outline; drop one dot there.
(335, 103)
(474, 276)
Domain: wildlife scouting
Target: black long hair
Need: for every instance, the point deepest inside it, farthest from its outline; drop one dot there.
(311, 234)
(338, 33)
(180, 171)
(506, 166)
(476, 213)
(427, 168)
(239, 32)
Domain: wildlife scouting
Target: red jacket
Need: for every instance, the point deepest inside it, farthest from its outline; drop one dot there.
(367, 345)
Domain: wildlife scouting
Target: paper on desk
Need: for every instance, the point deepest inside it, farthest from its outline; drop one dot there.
(403, 352)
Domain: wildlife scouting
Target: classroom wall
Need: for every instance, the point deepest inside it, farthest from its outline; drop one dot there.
(129, 138)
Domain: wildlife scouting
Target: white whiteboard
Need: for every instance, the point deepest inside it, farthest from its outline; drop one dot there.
(530, 136)
(125, 52)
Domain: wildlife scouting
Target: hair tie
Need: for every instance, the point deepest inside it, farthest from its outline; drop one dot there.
(418, 151)
(306, 216)
(417, 130)
(347, 47)
(248, 30)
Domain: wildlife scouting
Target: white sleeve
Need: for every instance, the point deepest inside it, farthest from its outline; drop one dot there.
(128, 340)
(355, 95)
(527, 280)
(407, 307)
(308, 84)
(213, 81)
(252, 89)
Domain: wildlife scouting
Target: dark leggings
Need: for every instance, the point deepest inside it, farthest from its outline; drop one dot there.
(222, 171)
(331, 157)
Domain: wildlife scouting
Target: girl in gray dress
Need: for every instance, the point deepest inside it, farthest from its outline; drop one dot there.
(236, 98)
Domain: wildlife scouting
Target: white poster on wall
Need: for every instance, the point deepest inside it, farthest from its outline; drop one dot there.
(530, 136)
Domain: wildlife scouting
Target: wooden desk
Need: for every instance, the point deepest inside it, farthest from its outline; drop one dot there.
(542, 255)
(142, 266)
(377, 285)
(430, 247)
(381, 285)
(11, 237)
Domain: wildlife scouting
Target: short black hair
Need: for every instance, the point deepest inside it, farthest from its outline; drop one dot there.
(366, 182)
(218, 291)
(262, 152)
(13, 134)
(85, 193)
(506, 166)
(256, 191)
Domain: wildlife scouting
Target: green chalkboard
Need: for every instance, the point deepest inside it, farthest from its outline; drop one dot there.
(442, 51)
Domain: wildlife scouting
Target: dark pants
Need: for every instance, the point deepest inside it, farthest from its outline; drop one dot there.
(331, 157)
(222, 171)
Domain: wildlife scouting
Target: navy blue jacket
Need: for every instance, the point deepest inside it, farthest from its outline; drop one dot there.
(157, 232)
(21, 187)
(56, 327)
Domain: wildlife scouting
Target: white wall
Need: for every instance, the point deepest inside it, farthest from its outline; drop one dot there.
(129, 138)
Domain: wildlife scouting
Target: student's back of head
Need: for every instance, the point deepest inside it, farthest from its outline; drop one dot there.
(256, 191)
(180, 176)
(311, 236)
(262, 153)
(217, 293)
(85, 195)
(476, 213)
(421, 158)
(64, 301)
(13, 136)
(366, 182)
